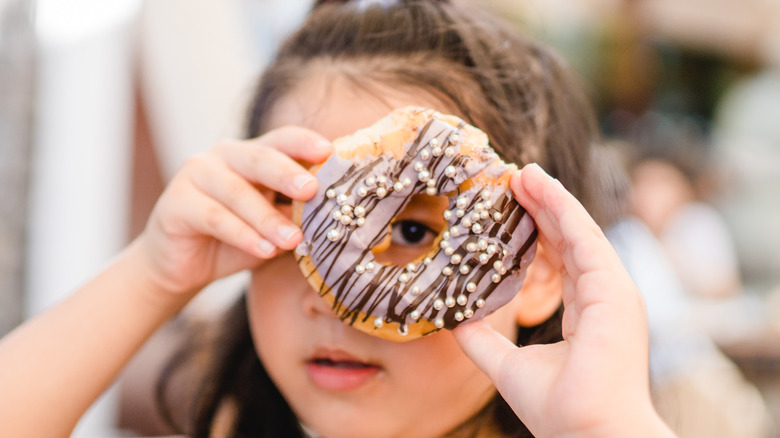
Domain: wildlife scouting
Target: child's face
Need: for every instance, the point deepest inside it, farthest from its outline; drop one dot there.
(338, 380)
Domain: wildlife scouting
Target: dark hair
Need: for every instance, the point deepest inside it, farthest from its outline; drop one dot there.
(514, 89)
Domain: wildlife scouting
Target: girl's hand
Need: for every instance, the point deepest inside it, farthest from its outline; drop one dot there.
(217, 216)
(594, 382)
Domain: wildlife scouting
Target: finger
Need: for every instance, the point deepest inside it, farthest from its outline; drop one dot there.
(486, 347)
(247, 203)
(268, 167)
(563, 221)
(297, 142)
(214, 219)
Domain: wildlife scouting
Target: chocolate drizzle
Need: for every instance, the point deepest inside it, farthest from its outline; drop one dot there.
(480, 260)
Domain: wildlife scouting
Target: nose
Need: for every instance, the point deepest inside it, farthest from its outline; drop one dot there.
(316, 305)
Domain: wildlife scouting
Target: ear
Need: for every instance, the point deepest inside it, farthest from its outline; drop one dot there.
(540, 295)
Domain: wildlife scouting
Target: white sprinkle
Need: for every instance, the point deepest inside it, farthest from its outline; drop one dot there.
(302, 249)
(414, 314)
(431, 191)
(336, 215)
(480, 303)
(341, 199)
(370, 266)
(458, 316)
(497, 216)
(471, 286)
(462, 202)
(418, 166)
(333, 235)
(484, 215)
(460, 212)
(330, 193)
(381, 180)
(495, 278)
(406, 181)
(444, 243)
(455, 259)
(425, 154)
(436, 151)
(403, 278)
(346, 209)
(360, 269)
(471, 247)
(462, 299)
(360, 211)
(431, 183)
(346, 220)
(378, 323)
(483, 258)
(454, 137)
(416, 290)
(464, 269)
(398, 186)
(411, 267)
(449, 302)
(360, 221)
(362, 192)
(466, 222)
(454, 231)
(381, 192)
(482, 244)
(498, 265)
(439, 323)
(476, 228)
(438, 304)
(447, 215)
(485, 194)
(488, 203)
(479, 207)
(434, 141)
(468, 313)
(449, 152)
(475, 216)
(445, 235)
(449, 250)
(427, 261)
(370, 181)
(446, 271)
(403, 330)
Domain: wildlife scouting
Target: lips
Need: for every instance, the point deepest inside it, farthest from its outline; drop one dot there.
(333, 370)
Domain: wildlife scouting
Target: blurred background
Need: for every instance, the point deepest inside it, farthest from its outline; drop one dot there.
(100, 102)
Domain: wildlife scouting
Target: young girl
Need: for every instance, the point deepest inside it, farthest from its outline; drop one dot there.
(283, 364)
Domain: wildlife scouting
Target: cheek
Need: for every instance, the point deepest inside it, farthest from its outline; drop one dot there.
(274, 300)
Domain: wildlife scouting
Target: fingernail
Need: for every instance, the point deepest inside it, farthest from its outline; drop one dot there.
(287, 232)
(265, 246)
(323, 145)
(300, 181)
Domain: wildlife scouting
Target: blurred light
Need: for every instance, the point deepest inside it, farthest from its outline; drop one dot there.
(65, 21)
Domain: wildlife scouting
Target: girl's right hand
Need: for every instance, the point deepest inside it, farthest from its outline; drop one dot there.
(217, 216)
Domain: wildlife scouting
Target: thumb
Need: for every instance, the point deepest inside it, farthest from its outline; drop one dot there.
(486, 347)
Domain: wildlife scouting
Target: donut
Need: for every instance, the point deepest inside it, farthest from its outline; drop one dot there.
(476, 262)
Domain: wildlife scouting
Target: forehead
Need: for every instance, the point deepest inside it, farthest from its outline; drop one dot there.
(334, 105)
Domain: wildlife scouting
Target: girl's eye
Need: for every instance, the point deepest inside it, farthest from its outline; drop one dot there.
(411, 233)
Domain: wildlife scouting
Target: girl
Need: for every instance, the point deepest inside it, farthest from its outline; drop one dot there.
(283, 364)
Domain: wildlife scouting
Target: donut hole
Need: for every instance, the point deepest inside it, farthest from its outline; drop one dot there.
(414, 232)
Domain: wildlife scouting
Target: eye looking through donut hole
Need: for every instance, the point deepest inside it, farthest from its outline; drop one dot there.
(413, 231)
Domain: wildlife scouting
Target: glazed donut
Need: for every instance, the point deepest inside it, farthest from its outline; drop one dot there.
(476, 263)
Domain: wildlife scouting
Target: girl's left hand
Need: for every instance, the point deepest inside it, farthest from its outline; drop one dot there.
(594, 382)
